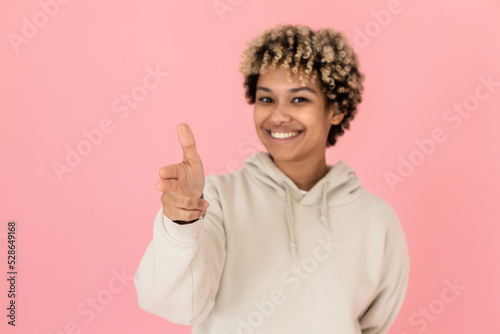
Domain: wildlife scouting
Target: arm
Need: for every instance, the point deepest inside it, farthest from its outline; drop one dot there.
(385, 306)
(178, 276)
(388, 299)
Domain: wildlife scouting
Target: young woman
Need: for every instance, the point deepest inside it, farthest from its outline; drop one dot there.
(287, 244)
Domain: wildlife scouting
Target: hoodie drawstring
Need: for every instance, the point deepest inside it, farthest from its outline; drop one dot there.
(324, 216)
(290, 221)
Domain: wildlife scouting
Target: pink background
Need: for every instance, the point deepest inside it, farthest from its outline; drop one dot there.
(76, 232)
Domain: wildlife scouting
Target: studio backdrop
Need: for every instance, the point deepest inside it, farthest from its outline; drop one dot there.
(91, 96)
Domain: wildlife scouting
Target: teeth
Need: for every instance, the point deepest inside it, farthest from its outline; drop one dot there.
(284, 135)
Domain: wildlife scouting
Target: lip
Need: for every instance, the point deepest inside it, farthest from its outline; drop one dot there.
(283, 141)
(282, 130)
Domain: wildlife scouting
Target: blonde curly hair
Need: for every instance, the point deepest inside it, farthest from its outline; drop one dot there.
(309, 53)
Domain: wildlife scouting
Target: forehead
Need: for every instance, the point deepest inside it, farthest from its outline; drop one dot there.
(277, 79)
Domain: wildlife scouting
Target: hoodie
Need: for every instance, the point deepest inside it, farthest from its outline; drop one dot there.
(269, 257)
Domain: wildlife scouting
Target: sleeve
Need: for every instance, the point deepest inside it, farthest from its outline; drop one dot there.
(383, 310)
(179, 274)
(388, 299)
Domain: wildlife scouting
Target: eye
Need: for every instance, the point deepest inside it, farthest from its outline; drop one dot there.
(302, 98)
(263, 99)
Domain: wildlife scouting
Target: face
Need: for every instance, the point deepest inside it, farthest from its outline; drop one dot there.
(291, 120)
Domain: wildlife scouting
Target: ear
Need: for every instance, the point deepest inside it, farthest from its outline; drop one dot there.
(335, 116)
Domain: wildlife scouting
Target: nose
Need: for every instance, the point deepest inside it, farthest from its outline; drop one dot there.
(280, 114)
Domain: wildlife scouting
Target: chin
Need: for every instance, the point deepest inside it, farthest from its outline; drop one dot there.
(281, 157)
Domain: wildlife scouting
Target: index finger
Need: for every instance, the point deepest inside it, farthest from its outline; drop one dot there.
(172, 171)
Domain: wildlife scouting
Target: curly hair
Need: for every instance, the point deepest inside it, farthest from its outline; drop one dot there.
(299, 49)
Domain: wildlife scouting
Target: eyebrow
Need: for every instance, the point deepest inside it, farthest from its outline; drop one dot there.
(293, 90)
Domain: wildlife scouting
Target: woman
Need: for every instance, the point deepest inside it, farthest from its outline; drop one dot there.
(287, 244)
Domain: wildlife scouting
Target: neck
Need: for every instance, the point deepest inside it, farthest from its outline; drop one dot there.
(304, 174)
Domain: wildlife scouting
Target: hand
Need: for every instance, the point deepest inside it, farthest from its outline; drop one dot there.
(182, 183)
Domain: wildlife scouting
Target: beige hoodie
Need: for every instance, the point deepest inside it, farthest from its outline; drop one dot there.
(268, 258)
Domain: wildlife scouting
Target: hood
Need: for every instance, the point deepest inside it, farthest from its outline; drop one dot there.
(339, 186)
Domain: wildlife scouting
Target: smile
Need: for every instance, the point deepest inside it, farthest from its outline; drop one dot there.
(283, 135)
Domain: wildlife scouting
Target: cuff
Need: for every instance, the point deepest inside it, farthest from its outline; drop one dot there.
(185, 233)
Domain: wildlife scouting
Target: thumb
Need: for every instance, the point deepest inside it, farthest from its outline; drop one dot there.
(188, 144)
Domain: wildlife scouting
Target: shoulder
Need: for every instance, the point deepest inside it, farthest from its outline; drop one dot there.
(383, 220)
(378, 208)
(222, 180)
(223, 184)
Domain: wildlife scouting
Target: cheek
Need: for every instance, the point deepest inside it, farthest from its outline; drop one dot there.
(258, 117)
(320, 125)
(255, 119)
(310, 120)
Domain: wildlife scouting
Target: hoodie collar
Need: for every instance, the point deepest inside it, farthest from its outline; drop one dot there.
(339, 186)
